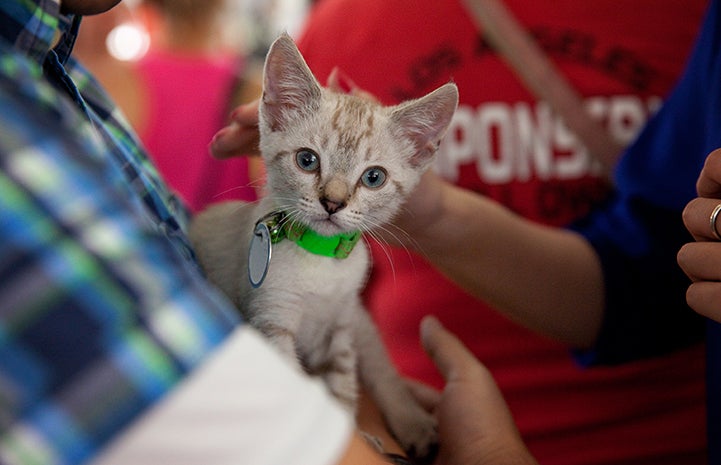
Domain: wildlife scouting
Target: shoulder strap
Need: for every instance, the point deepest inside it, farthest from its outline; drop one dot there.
(541, 77)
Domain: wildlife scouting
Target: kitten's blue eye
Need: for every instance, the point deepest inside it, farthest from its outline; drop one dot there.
(307, 160)
(374, 177)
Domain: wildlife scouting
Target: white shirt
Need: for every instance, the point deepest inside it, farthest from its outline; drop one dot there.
(243, 406)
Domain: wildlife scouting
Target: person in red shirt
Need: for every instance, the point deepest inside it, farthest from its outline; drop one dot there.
(505, 144)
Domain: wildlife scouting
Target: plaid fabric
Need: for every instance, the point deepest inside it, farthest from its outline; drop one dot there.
(102, 309)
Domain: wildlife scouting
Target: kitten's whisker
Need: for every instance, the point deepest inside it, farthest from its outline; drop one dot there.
(257, 182)
(247, 186)
(383, 246)
(402, 237)
(380, 229)
(416, 246)
(384, 227)
(243, 205)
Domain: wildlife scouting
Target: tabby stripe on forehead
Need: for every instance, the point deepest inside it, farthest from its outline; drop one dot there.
(282, 153)
(369, 153)
(369, 125)
(335, 121)
(400, 188)
(325, 140)
(318, 140)
(354, 110)
(350, 143)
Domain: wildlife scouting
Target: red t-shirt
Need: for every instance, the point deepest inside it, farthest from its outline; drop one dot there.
(623, 57)
(187, 102)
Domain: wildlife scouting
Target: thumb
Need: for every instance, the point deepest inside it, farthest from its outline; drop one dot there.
(464, 374)
(472, 404)
(448, 353)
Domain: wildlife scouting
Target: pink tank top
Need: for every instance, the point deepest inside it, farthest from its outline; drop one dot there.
(187, 103)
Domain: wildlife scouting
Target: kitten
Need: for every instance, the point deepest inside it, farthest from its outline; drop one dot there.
(337, 165)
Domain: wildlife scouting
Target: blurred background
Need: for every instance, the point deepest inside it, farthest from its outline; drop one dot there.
(176, 69)
(248, 26)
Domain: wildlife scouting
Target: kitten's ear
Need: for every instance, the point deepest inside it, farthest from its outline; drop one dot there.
(288, 84)
(426, 120)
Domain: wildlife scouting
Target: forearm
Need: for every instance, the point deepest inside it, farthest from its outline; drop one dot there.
(547, 279)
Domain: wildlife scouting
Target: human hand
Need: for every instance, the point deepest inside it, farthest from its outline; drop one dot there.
(241, 136)
(701, 260)
(475, 425)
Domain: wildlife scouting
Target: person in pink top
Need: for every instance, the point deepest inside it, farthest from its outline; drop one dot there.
(187, 84)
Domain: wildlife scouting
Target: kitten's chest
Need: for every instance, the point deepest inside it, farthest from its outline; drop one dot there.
(316, 276)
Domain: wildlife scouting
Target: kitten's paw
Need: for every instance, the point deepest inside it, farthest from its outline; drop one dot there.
(416, 432)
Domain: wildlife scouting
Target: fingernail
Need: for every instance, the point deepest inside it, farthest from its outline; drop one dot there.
(429, 324)
(217, 141)
(234, 114)
(218, 135)
(238, 110)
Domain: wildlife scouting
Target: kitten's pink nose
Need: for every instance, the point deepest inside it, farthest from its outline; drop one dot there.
(332, 206)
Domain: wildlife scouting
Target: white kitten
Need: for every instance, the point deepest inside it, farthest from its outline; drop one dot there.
(337, 165)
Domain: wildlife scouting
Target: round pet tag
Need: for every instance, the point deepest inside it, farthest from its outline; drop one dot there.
(259, 255)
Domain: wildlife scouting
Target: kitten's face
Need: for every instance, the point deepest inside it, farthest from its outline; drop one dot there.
(340, 168)
(339, 163)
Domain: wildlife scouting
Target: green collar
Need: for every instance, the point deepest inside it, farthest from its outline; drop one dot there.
(337, 246)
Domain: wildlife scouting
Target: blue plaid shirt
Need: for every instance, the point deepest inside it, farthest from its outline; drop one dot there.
(102, 308)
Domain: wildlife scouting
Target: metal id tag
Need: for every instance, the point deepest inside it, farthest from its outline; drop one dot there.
(259, 255)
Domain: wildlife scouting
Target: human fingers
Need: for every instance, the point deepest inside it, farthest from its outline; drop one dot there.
(702, 218)
(701, 261)
(469, 384)
(471, 401)
(474, 423)
(241, 136)
(450, 356)
(709, 181)
(705, 298)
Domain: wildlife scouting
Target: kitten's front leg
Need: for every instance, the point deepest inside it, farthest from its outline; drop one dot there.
(280, 326)
(410, 424)
(334, 359)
